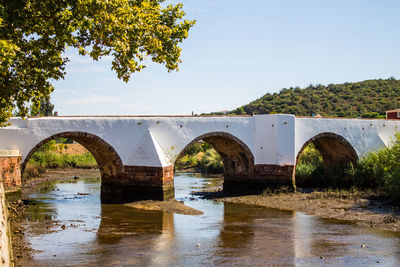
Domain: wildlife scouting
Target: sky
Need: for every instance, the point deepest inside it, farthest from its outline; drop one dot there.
(240, 50)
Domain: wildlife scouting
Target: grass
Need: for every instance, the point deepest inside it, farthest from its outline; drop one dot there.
(49, 159)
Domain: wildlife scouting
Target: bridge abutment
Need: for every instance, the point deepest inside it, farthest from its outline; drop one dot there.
(10, 169)
(139, 183)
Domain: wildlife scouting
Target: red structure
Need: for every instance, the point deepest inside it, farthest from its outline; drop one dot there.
(393, 114)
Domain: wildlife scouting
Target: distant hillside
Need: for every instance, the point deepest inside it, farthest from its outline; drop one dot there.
(369, 99)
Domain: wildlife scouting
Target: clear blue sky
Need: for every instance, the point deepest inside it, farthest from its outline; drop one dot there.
(241, 49)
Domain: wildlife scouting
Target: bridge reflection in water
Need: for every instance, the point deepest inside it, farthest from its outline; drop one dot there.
(225, 234)
(140, 236)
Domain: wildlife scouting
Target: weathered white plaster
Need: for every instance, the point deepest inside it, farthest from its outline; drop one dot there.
(274, 139)
(158, 141)
(148, 153)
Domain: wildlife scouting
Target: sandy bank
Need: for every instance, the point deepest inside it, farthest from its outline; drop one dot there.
(170, 206)
(362, 208)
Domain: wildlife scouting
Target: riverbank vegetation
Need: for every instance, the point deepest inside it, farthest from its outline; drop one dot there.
(57, 155)
(379, 170)
(201, 157)
(373, 98)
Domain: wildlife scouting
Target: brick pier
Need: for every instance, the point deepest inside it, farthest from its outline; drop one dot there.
(260, 178)
(139, 183)
(10, 169)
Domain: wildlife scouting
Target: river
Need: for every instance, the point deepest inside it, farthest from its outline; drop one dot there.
(68, 226)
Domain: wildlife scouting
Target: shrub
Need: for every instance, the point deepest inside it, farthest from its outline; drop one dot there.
(211, 162)
(382, 168)
(309, 167)
(32, 171)
(310, 155)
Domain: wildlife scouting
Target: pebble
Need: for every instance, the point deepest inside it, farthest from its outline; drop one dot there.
(363, 246)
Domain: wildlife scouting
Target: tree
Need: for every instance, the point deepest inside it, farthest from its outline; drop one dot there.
(239, 111)
(46, 109)
(347, 99)
(35, 33)
(372, 115)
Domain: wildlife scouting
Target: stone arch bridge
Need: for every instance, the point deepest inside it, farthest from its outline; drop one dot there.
(136, 154)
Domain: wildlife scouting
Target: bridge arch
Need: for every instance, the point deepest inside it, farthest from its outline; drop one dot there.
(237, 158)
(335, 150)
(107, 158)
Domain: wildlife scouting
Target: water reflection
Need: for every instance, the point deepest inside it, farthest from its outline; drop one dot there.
(226, 234)
(254, 235)
(131, 236)
(117, 223)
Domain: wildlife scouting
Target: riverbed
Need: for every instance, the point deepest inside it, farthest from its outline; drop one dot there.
(66, 225)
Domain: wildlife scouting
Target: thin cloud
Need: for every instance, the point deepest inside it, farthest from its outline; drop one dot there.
(68, 91)
(95, 99)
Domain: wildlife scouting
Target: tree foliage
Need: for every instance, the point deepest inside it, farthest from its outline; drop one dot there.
(35, 33)
(201, 157)
(368, 99)
(239, 111)
(45, 109)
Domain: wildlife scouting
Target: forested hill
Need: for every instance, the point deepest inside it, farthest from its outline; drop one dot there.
(360, 99)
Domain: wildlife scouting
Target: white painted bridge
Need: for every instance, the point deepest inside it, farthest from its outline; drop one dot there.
(136, 154)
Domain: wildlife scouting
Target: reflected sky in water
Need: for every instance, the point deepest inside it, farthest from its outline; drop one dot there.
(226, 234)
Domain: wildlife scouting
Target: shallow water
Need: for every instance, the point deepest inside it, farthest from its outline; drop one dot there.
(226, 234)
